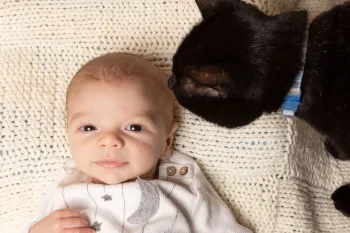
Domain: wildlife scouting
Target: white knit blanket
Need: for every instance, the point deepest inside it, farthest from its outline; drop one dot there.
(274, 173)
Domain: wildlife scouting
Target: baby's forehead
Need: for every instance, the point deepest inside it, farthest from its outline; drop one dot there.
(120, 68)
(151, 95)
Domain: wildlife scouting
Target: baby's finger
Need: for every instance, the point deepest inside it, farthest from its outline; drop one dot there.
(79, 230)
(73, 223)
(66, 213)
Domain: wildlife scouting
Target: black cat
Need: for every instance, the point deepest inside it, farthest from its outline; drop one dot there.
(325, 101)
(238, 63)
(326, 87)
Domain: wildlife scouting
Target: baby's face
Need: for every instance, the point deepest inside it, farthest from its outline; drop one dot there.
(116, 131)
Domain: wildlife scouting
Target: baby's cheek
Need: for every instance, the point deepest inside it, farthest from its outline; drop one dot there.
(81, 157)
(142, 164)
(143, 161)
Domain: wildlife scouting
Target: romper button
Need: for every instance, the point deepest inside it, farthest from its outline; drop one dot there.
(171, 171)
(183, 171)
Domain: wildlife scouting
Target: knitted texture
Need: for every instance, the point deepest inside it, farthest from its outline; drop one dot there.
(273, 7)
(273, 173)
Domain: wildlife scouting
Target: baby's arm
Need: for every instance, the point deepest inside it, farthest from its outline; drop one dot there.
(45, 206)
(210, 213)
(48, 219)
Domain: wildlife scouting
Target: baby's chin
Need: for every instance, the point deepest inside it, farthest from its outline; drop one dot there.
(109, 179)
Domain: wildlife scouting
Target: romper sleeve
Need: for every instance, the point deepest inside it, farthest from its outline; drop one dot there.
(210, 213)
(46, 204)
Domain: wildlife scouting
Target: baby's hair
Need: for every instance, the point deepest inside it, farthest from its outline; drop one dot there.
(116, 67)
(121, 67)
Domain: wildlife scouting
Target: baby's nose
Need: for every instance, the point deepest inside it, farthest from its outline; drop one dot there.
(111, 140)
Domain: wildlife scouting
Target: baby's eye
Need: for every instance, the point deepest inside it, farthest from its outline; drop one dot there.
(87, 128)
(135, 128)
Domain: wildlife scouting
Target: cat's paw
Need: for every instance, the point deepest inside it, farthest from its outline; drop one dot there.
(341, 199)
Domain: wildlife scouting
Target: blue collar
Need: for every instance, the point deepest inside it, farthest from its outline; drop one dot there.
(292, 100)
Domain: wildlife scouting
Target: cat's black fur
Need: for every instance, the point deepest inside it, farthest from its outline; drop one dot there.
(341, 199)
(326, 82)
(326, 87)
(238, 63)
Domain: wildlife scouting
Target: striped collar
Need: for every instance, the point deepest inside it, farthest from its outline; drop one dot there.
(292, 100)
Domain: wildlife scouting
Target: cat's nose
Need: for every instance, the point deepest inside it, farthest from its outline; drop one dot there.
(171, 82)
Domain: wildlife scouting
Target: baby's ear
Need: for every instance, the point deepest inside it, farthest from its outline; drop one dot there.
(169, 141)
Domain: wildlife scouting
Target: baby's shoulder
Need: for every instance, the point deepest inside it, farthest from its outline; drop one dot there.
(179, 168)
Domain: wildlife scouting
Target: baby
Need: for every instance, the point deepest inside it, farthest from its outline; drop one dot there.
(124, 176)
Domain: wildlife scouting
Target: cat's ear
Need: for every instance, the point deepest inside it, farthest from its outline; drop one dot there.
(211, 7)
(293, 19)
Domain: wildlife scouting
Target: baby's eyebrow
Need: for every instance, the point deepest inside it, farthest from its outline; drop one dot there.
(148, 115)
(77, 115)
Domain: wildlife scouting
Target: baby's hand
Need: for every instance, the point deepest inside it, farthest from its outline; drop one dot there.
(62, 221)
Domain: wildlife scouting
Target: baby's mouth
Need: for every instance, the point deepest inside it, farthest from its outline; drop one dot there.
(107, 163)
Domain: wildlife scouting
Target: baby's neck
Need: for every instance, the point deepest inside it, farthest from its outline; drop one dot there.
(149, 176)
